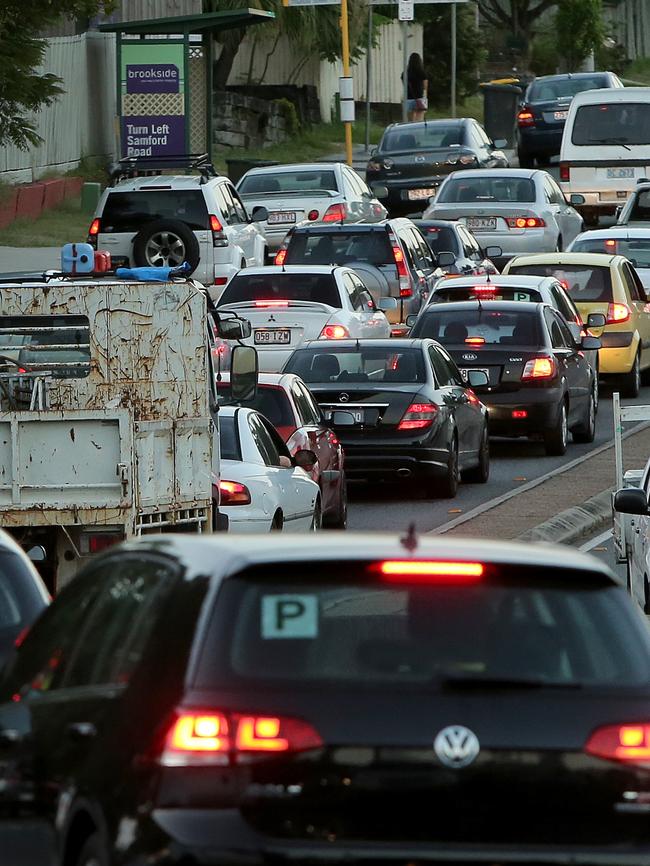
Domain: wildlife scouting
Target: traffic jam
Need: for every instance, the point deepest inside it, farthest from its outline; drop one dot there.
(341, 368)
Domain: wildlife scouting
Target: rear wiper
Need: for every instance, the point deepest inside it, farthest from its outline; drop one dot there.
(612, 141)
(474, 682)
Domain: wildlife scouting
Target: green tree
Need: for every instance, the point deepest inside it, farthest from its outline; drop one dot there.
(23, 88)
(518, 18)
(580, 30)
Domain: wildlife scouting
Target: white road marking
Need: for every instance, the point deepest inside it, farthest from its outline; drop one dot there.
(594, 542)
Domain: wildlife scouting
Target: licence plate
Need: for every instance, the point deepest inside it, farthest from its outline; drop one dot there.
(617, 173)
(482, 224)
(560, 115)
(464, 373)
(270, 336)
(358, 414)
(284, 216)
(416, 194)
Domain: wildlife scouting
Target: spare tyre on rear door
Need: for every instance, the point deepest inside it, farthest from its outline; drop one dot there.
(166, 243)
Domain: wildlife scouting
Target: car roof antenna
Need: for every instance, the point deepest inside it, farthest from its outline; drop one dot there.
(410, 540)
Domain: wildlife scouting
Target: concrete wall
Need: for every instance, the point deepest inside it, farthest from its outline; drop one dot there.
(244, 121)
(630, 25)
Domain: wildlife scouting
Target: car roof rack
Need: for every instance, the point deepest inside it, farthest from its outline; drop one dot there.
(148, 166)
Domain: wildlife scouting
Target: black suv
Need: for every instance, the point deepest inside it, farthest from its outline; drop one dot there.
(188, 700)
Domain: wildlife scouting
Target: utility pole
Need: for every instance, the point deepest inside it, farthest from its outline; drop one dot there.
(345, 57)
(453, 60)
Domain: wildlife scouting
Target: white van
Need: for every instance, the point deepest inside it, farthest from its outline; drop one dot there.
(605, 148)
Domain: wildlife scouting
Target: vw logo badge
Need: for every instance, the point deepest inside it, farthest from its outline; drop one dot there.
(456, 746)
(420, 158)
(469, 356)
(344, 397)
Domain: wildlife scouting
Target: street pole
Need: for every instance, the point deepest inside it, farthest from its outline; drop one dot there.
(405, 71)
(453, 60)
(345, 56)
(368, 75)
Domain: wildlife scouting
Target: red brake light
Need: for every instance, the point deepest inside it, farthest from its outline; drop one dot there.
(475, 341)
(418, 416)
(610, 242)
(405, 287)
(565, 171)
(96, 542)
(280, 257)
(20, 637)
(335, 213)
(484, 290)
(626, 743)
(525, 222)
(278, 303)
(95, 227)
(219, 238)
(539, 368)
(430, 571)
(312, 215)
(525, 118)
(617, 313)
(199, 733)
(215, 224)
(234, 493)
(220, 281)
(334, 332)
(519, 413)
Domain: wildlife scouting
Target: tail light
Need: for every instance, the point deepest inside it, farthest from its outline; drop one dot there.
(280, 257)
(565, 171)
(418, 416)
(219, 238)
(525, 222)
(215, 737)
(378, 210)
(93, 231)
(525, 118)
(312, 215)
(405, 285)
(220, 281)
(267, 304)
(430, 571)
(334, 332)
(629, 744)
(617, 313)
(335, 213)
(94, 542)
(542, 367)
(519, 414)
(20, 637)
(475, 341)
(234, 493)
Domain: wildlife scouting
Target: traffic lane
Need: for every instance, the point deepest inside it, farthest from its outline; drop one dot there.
(513, 462)
(26, 843)
(602, 547)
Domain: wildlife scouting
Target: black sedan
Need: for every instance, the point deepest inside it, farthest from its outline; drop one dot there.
(540, 383)
(413, 159)
(400, 409)
(452, 237)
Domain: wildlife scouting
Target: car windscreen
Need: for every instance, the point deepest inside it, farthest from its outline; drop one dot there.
(319, 631)
(441, 239)
(612, 123)
(481, 326)
(546, 91)
(53, 346)
(363, 364)
(270, 400)
(637, 250)
(429, 136)
(497, 188)
(229, 438)
(583, 282)
(288, 181)
(340, 248)
(484, 292)
(277, 286)
(129, 211)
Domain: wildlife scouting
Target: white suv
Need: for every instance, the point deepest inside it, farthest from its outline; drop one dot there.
(164, 220)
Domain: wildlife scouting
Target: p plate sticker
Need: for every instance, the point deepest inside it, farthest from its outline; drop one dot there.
(289, 616)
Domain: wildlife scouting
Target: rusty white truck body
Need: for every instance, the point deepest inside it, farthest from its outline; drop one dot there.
(106, 429)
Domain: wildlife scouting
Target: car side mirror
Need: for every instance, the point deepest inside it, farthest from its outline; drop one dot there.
(631, 500)
(379, 190)
(233, 329)
(411, 320)
(575, 199)
(493, 252)
(243, 374)
(305, 459)
(446, 259)
(590, 343)
(259, 214)
(596, 320)
(341, 418)
(386, 304)
(499, 143)
(477, 379)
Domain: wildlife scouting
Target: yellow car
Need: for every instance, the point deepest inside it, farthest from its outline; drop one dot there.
(600, 283)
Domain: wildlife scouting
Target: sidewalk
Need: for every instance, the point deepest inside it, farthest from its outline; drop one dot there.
(29, 259)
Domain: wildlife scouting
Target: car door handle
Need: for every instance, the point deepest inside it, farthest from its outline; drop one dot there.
(81, 731)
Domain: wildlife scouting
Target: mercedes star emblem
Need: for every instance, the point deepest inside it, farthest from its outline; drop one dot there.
(456, 746)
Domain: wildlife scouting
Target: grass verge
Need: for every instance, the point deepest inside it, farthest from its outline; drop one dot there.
(68, 223)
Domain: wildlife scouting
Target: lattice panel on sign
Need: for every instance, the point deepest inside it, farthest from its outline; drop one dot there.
(197, 90)
(152, 104)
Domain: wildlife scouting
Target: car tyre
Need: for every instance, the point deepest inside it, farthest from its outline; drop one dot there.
(557, 437)
(631, 382)
(340, 518)
(447, 487)
(166, 243)
(480, 474)
(526, 160)
(586, 432)
(317, 519)
(93, 853)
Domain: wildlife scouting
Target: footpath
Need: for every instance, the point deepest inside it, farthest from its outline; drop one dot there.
(570, 506)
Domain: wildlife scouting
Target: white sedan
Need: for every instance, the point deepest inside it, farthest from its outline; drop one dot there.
(261, 487)
(633, 243)
(520, 210)
(288, 306)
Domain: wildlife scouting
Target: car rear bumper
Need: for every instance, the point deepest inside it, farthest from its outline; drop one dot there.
(394, 461)
(272, 359)
(518, 242)
(603, 200)
(617, 353)
(540, 405)
(398, 192)
(545, 142)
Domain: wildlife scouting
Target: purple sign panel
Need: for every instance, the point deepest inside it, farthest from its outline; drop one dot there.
(152, 78)
(162, 135)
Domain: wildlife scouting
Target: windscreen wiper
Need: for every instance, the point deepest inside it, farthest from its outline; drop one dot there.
(461, 682)
(612, 141)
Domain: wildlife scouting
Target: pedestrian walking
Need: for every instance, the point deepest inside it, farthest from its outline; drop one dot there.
(417, 88)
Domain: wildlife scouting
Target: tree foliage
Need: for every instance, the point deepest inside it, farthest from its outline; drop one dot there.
(580, 30)
(518, 18)
(470, 53)
(24, 89)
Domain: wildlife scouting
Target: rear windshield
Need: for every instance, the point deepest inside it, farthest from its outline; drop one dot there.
(288, 181)
(358, 365)
(229, 438)
(543, 91)
(315, 633)
(637, 250)
(340, 248)
(270, 401)
(480, 326)
(317, 288)
(497, 188)
(484, 292)
(582, 282)
(127, 211)
(425, 137)
(612, 123)
(52, 346)
(441, 239)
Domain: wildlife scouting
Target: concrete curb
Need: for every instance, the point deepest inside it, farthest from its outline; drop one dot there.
(574, 524)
